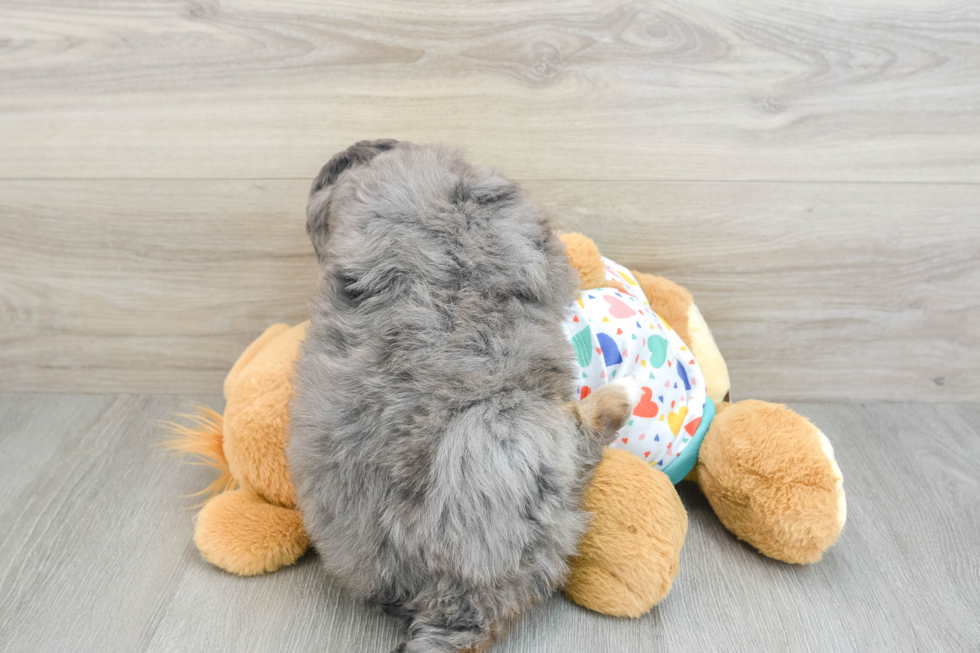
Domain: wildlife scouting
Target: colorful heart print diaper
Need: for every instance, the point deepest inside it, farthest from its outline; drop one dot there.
(616, 334)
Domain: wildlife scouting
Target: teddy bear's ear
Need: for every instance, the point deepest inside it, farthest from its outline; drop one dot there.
(233, 376)
(584, 256)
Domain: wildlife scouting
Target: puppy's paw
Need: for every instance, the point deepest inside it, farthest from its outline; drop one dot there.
(607, 409)
(632, 388)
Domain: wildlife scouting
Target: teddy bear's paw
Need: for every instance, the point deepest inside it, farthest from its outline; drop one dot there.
(240, 533)
(772, 479)
(828, 451)
(628, 559)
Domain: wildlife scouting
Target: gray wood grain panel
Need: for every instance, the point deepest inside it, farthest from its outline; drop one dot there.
(555, 90)
(814, 291)
(118, 287)
(97, 555)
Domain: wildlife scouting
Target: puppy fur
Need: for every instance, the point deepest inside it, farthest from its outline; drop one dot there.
(438, 458)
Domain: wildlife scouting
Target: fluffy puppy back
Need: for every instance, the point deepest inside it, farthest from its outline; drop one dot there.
(437, 463)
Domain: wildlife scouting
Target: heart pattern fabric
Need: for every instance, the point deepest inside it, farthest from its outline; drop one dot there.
(616, 334)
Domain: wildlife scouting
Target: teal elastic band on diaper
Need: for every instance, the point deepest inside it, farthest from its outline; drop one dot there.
(684, 463)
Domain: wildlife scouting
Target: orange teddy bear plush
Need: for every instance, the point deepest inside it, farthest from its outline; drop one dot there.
(769, 474)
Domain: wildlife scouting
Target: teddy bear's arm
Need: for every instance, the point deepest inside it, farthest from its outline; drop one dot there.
(676, 306)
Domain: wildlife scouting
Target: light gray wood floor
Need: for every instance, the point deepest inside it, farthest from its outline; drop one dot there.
(96, 551)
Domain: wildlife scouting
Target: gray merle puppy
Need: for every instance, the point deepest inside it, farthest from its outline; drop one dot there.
(438, 457)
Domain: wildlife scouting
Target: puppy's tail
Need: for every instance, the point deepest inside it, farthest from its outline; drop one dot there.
(438, 636)
(204, 441)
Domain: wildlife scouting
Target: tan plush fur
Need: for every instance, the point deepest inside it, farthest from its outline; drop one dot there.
(763, 470)
(631, 554)
(257, 419)
(254, 529)
(670, 301)
(584, 257)
(203, 441)
(705, 350)
(768, 473)
(240, 532)
(235, 374)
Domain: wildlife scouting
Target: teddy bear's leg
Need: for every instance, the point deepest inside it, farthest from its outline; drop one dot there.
(676, 306)
(243, 534)
(630, 555)
(771, 477)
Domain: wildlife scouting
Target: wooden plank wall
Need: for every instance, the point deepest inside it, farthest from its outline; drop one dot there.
(810, 172)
